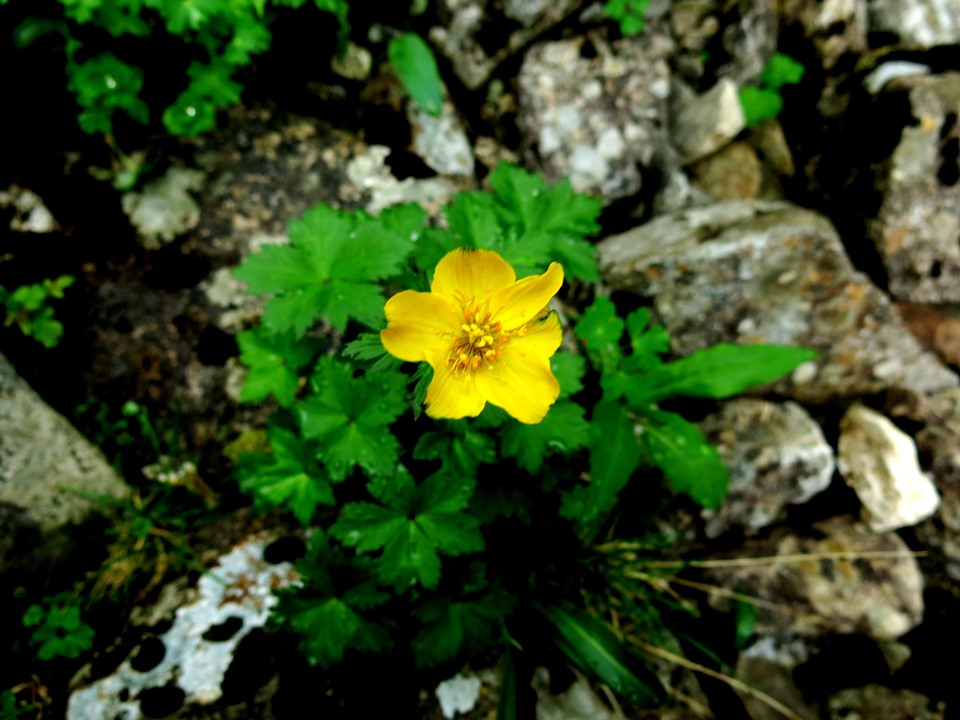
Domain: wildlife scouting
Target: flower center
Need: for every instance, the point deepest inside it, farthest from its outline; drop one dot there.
(478, 341)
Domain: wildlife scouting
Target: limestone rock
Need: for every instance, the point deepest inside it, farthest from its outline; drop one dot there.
(441, 141)
(733, 173)
(165, 208)
(231, 600)
(879, 462)
(702, 124)
(596, 119)
(42, 459)
(917, 226)
(853, 581)
(29, 212)
(776, 455)
(757, 271)
(768, 665)
(922, 23)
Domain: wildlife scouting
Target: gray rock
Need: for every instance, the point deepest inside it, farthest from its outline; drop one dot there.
(578, 702)
(940, 441)
(768, 666)
(29, 212)
(776, 455)
(596, 120)
(702, 124)
(923, 23)
(44, 464)
(165, 208)
(750, 40)
(850, 581)
(836, 27)
(459, 694)
(470, 26)
(877, 701)
(918, 223)
(879, 461)
(441, 141)
(751, 272)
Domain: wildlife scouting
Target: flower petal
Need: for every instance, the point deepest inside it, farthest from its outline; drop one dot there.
(417, 321)
(521, 302)
(521, 381)
(452, 395)
(471, 273)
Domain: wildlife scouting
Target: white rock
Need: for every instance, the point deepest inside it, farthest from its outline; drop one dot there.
(458, 694)
(705, 123)
(441, 141)
(879, 462)
(238, 589)
(165, 208)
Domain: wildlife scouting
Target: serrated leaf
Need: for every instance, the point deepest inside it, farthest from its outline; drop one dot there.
(331, 269)
(453, 628)
(614, 455)
(328, 627)
(592, 646)
(287, 477)
(274, 362)
(781, 70)
(460, 449)
(717, 372)
(690, 463)
(759, 104)
(563, 430)
(416, 67)
(600, 330)
(349, 415)
(568, 369)
(413, 526)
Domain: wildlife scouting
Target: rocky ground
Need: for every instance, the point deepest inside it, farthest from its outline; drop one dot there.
(835, 227)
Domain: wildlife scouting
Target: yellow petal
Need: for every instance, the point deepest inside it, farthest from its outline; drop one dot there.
(521, 302)
(417, 321)
(453, 395)
(520, 381)
(471, 273)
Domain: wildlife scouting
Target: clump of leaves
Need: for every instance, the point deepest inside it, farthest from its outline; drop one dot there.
(27, 308)
(628, 13)
(765, 102)
(415, 531)
(60, 630)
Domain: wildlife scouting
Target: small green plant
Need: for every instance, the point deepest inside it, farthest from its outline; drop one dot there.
(628, 13)
(419, 523)
(60, 629)
(27, 308)
(765, 102)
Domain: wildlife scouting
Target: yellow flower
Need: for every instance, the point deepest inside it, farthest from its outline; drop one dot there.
(487, 336)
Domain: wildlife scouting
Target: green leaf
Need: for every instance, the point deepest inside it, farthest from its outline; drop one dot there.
(329, 626)
(274, 362)
(563, 430)
(691, 464)
(746, 623)
(331, 269)
(473, 221)
(592, 646)
(647, 342)
(349, 415)
(413, 526)
(628, 13)
(781, 70)
(454, 628)
(548, 223)
(460, 448)
(717, 372)
(614, 455)
(416, 67)
(568, 369)
(760, 104)
(507, 695)
(61, 632)
(103, 85)
(600, 330)
(288, 477)
(368, 347)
